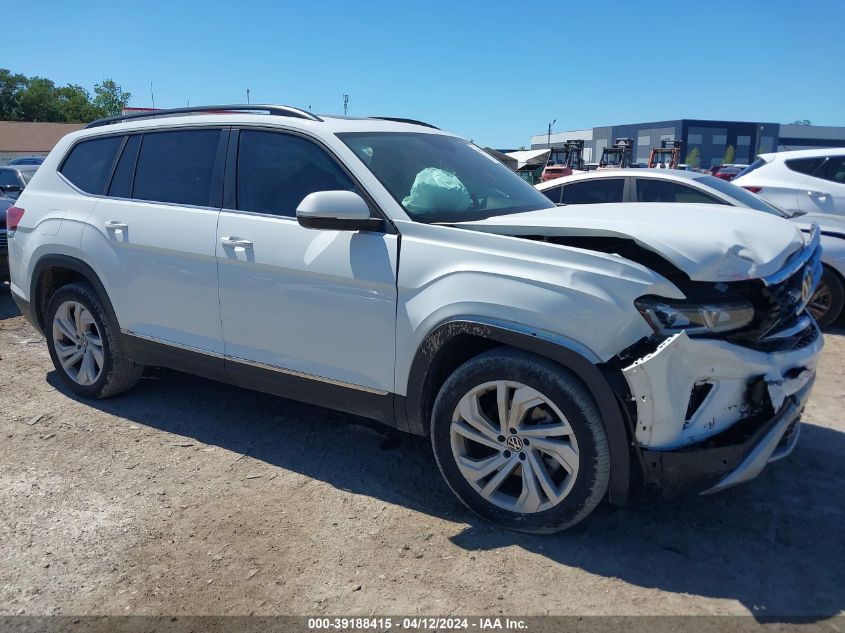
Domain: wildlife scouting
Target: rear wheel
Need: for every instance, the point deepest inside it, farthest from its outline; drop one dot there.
(85, 344)
(827, 302)
(520, 442)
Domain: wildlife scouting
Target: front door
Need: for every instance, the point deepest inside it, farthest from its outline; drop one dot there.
(316, 304)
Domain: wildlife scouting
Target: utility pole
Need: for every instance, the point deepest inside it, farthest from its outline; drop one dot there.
(345, 104)
(152, 95)
(549, 135)
(247, 96)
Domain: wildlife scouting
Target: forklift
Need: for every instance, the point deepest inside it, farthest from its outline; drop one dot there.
(667, 156)
(563, 161)
(617, 156)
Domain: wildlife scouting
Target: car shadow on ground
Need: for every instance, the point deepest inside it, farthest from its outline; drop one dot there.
(8, 309)
(775, 545)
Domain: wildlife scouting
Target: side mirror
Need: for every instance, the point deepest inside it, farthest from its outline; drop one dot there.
(337, 211)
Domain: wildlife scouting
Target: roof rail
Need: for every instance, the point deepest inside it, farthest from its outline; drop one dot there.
(400, 120)
(213, 109)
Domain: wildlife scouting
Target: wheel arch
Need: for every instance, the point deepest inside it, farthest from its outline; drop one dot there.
(453, 343)
(53, 271)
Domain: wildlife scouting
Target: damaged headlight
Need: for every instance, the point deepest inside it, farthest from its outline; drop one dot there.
(670, 317)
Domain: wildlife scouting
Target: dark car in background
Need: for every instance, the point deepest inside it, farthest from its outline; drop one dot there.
(728, 172)
(13, 179)
(5, 203)
(27, 160)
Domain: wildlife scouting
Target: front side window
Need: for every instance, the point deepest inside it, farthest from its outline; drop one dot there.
(649, 190)
(438, 178)
(276, 171)
(596, 191)
(176, 167)
(89, 163)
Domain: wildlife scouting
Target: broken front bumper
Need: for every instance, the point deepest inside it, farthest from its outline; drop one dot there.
(711, 414)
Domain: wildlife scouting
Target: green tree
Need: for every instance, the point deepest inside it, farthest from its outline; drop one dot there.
(10, 88)
(110, 99)
(730, 155)
(694, 158)
(75, 104)
(39, 101)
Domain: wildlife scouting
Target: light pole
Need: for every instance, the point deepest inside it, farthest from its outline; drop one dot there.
(549, 135)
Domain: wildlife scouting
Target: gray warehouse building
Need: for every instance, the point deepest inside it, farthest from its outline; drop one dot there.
(711, 138)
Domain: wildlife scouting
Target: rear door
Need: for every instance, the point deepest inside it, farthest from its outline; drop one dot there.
(151, 238)
(317, 304)
(824, 189)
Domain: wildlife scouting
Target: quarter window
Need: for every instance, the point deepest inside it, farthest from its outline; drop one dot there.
(807, 166)
(553, 194)
(594, 191)
(276, 171)
(649, 190)
(89, 163)
(177, 167)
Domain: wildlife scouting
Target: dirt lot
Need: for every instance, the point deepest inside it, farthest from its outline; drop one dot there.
(190, 497)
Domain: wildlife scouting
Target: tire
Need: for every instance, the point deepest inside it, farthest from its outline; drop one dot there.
(75, 321)
(541, 502)
(827, 302)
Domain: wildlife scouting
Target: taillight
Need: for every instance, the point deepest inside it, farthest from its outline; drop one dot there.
(753, 189)
(13, 217)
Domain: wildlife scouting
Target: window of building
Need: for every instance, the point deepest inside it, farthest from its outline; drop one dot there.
(720, 139)
(807, 166)
(276, 171)
(643, 141)
(743, 141)
(653, 190)
(594, 191)
(694, 139)
(88, 166)
(176, 167)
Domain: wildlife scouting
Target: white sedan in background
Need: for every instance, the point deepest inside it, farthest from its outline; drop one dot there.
(670, 185)
(810, 180)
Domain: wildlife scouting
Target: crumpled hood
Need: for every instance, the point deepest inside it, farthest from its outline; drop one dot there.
(707, 242)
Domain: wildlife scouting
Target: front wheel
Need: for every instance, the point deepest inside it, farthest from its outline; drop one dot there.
(827, 301)
(520, 441)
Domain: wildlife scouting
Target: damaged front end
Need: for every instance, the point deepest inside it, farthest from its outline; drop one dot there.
(719, 396)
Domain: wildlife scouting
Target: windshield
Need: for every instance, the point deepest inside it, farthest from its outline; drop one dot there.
(742, 196)
(440, 178)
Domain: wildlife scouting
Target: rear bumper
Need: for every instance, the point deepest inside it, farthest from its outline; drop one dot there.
(732, 457)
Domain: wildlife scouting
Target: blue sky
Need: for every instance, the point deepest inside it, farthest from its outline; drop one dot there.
(492, 71)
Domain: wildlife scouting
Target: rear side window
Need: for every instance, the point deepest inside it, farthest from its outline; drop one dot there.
(594, 191)
(89, 163)
(176, 167)
(276, 171)
(553, 194)
(807, 166)
(649, 190)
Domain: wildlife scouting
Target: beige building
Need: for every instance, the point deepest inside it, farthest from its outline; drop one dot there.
(22, 138)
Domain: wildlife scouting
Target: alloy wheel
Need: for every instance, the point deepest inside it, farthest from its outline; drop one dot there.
(78, 343)
(821, 301)
(514, 446)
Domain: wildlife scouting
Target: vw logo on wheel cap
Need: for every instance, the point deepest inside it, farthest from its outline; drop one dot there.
(514, 443)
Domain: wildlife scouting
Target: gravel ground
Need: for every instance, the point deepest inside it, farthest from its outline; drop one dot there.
(186, 496)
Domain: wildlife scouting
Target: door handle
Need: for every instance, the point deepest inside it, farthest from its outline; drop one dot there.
(235, 242)
(818, 195)
(115, 225)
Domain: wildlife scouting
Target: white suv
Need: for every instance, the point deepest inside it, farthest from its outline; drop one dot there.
(811, 180)
(386, 268)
